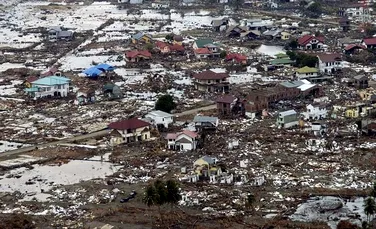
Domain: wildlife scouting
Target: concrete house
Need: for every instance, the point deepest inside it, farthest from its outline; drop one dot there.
(160, 118)
(205, 122)
(129, 130)
(51, 86)
(306, 72)
(182, 141)
(229, 105)
(287, 119)
(315, 112)
(329, 63)
(209, 81)
(204, 48)
(360, 81)
(141, 38)
(310, 42)
(369, 43)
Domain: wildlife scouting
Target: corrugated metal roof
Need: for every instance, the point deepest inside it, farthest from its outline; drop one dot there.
(160, 113)
(286, 113)
(51, 80)
(199, 118)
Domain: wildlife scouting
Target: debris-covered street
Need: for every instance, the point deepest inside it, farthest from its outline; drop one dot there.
(253, 114)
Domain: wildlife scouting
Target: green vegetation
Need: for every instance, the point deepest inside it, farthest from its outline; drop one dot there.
(302, 59)
(165, 103)
(223, 54)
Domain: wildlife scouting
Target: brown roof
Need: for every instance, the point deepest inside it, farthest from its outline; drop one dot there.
(329, 57)
(133, 123)
(135, 53)
(202, 51)
(225, 99)
(210, 75)
(178, 38)
(370, 41)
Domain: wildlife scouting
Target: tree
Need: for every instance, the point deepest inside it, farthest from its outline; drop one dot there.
(149, 196)
(369, 208)
(250, 201)
(160, 193)
(173, 195)
(223, 54)
(344, 224)
(149, 46)
(373, 191)
(293, 44)
(169, 37)
(237, 3)
(292, 55)
(314, 9)
(165, 103)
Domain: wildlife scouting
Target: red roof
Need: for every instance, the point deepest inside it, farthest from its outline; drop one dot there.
(31, 79)
(135, 53)
(307, 38)
(329, 57)
(349, 47)
(133, 123)
(236, 56)
(177, 47)
(202, 51)
(189, 133)
(161, 44)
(370, 41)
(210, 75)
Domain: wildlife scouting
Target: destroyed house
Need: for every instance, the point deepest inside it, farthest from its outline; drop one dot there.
(287, 119)
(205, 122)
(210, 81)
(160, 118)
(229, 105)
(58, 33)
(129, 130)
(220, 24)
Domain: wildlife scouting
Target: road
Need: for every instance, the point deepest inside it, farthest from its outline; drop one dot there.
(89, 135)
(316, 20)
(197, 110)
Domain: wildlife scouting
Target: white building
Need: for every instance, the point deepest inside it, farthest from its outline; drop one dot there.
(306, 73)
(315, 112)
(183, 141)
(329, 63)
(158, 118)
(160, 4)
(51, 86)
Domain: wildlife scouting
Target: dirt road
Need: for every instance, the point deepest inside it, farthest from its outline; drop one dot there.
(316, 20)
(89, 135)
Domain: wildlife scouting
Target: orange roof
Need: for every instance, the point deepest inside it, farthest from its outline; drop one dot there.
(202, 51)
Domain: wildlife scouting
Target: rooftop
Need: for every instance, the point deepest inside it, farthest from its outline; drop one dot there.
(160, 113)
(52, 80)
(132, 124)
(199, 118)
(210, 75)
(306, 69)
(286, 113)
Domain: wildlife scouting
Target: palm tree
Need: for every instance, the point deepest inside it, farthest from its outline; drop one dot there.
(150, 196)
(369, 208)
(373, 191)
(173, 195)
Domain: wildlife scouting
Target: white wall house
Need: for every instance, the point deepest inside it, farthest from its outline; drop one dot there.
(329, 63)
(160, 118)
(160, 5)
(51, 86)
(306, 73)
(182, 141)
(315, 112)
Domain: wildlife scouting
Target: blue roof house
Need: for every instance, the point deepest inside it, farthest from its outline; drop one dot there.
(51, 86)
(95, 71)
